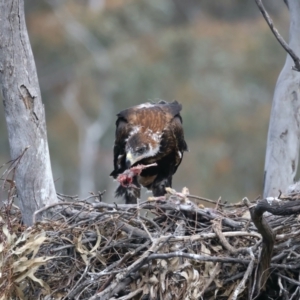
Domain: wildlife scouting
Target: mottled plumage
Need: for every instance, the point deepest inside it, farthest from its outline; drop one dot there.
(149, 133)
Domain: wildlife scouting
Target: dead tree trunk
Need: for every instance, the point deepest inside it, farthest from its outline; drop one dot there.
(284, 129)
(24, 111)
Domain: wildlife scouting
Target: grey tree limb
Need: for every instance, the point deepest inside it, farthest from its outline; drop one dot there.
(276, 207)
(283, 142)
(279, 38)
(24, 112)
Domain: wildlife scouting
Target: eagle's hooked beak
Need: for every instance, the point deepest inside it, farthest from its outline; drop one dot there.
(129, 160)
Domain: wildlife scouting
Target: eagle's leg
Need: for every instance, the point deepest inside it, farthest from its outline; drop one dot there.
(159, 186)
(130, 193)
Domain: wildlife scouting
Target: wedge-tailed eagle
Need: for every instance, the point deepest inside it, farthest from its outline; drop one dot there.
(149, 133)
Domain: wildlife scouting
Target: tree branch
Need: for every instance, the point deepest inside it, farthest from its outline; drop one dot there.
(279, 38)
(268, 242)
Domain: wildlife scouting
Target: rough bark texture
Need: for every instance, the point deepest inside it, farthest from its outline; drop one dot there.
(24, 111)
(284, 130)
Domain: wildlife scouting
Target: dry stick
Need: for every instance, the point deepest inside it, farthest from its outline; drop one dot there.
(279, 208)
(218, 203)
(124, 226)
(201, 199)
(171, 239)
(285, 236)
(286, 266)
(239, 204)
(225, 281)
(84, 288)
(133, 230)
(197, 257)
(169, 205)
(211, 279)
(73, 292)
(279, 38)
(13, 167)
(14, 164)
(281, 286)
(108, 271)
(106, 294)
(53, 205)
(146, 229)
(114, 212)
(254, 284)
(248, 272)
(130, 295)
(122, 260)
(153, 223)
(210, 235)
(218, 231)
(75, 197)
(121, 278)
(295, 293)
(295, 282)
(265, 230)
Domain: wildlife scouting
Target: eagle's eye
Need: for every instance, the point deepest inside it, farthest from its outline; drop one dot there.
(141, 150)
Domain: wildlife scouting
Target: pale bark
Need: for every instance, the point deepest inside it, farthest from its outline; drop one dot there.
(284, 129)
(24, 111)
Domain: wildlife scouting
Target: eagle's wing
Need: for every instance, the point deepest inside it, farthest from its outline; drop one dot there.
(122, 131)
(172, 109)
(176, 125)
(181, 146)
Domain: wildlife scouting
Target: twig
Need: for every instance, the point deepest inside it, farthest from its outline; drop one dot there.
(214, 202)
(227, 280)
(212, 277)
(210, 235)
(279, 38)
(139, 217)
(106, 294)
(53, 205)
(72, 293)
(217, 229)
(241, 285)
(280, 285)
(169, 205)
(295, 282)
(130, 295)
(14, 163)
(286, 266)
(131, 230)
(122, 260)
(75, 197)
(197, 257)
(218, 203)
(146, 229)
(295, 293)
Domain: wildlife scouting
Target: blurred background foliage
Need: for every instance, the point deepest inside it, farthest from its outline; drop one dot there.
(219, 59)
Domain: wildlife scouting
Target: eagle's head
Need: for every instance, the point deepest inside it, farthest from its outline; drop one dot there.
(141, 144)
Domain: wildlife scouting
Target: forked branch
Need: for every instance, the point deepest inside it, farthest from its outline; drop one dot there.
(279, 38)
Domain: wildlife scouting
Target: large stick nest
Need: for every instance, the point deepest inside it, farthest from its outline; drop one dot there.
(166, 248)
